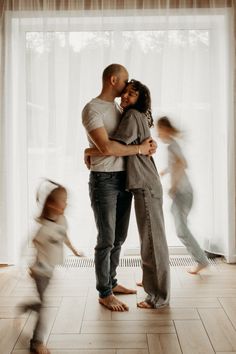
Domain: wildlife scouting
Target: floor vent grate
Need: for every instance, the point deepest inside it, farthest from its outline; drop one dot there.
(175, 261)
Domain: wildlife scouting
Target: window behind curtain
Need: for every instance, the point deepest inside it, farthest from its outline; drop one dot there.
(184, 60)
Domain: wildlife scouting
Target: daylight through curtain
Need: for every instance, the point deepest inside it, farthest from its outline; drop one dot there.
(52, 57)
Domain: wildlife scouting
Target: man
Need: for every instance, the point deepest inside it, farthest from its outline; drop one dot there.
(110, 202)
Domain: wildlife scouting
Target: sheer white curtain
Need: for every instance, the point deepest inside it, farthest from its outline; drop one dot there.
(53, 61)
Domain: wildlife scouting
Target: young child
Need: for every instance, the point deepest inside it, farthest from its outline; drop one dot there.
(48, 242)
(181, 192)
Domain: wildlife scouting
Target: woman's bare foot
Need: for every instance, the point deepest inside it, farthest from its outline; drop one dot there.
(144, 305)
(112, 303)
(197, 268)
(139, 283)
(120, 289)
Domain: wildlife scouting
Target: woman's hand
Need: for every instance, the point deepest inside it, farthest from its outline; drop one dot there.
(87, 159)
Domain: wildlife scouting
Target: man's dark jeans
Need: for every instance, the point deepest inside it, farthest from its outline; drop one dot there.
(111, 206)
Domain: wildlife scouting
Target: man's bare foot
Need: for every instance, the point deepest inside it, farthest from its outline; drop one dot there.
(139, 283)
(144, 305)
(197, 268)
(120, 289)
(112, 303)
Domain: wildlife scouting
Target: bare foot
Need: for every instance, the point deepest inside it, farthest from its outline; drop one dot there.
(120, 289)
(139, 283)
(40, 349)
(112, 303)
(197, 268)
(144, 305)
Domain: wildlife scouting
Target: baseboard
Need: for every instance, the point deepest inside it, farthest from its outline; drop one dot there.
(230, 259)
(177, 250)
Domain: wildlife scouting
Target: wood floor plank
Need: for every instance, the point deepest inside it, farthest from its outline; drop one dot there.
(95, 312)
(77, 291)
(163, 344)
(129, 300)
(53, 290)
(10, 329)
(24, 292)
(175, 281)
(23, 340)
(11, 312)
(128, 327)
(132, 351)
(80, 274)
(219, 328)
(229, 306)
(9, 286)
(201, 302)
(78, 351)
(193, 337)
(70, 315)
(8, 301)
(197, 292)
(97, 341)
(201, 317)
(162, 314)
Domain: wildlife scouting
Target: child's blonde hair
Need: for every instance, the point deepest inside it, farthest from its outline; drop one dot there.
(50, 198)
(165, 123)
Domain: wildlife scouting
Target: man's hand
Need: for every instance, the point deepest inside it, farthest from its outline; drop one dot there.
(153, 147)
(148, 147)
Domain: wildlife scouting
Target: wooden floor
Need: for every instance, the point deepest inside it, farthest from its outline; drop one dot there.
(201, 318)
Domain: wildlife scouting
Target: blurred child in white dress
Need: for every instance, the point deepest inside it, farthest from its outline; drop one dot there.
(48, 243)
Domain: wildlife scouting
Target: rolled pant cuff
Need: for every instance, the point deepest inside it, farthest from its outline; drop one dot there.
(105, 294)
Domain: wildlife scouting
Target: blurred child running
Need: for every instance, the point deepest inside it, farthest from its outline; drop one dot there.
(48, 242)
(181, 192)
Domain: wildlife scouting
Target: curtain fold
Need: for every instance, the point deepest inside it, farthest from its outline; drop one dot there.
(46, 47)
(29, 5)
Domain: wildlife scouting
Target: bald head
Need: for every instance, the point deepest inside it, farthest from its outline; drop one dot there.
(114, 79)
(112, 70)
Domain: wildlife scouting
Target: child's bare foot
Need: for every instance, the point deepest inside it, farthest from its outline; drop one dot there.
(39, 348)
(120, 289)
(144, 305)
(139, 283)
(112, 303)
(197, 268)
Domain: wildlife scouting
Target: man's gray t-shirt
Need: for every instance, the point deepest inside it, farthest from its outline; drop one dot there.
(141, 170)
(96, 114)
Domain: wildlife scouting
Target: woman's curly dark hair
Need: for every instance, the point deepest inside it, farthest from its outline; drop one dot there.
(143, 103)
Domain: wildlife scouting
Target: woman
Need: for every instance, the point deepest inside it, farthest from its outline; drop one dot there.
(144, 183)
